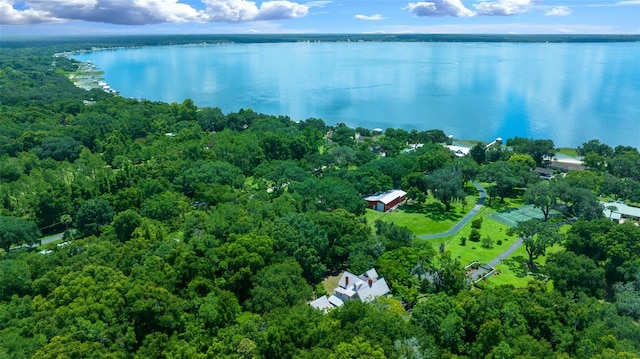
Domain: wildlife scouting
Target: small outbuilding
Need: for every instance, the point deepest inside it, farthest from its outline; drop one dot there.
(385, 201)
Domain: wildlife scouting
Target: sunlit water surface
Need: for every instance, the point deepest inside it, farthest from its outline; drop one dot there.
(567, 92)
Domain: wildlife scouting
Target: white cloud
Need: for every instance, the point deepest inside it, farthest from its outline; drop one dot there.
(242, 10)
(373, 17)
(142, 12)
(439, 8)
(10, 16)
(134, 12)
(503, 7)
(231, 10)
(558, 11)
(274, 10)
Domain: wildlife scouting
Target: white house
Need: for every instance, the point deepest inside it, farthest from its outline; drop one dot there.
(365, 288)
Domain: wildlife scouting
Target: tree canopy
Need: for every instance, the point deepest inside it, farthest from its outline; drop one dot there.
(195, 233)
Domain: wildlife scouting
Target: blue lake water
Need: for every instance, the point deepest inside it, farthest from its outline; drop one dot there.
(569, 92)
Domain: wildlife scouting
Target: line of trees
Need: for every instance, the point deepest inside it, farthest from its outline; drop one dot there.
(203, 235)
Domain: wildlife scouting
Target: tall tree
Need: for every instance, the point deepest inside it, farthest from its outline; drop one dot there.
(92, 215)
(448, 275)
(478, 154)
(575, 273)
(506, 176)
(15, 231)
(446, 186)
(278, 286)
(542, 195)
(467, 167)
(536, 237)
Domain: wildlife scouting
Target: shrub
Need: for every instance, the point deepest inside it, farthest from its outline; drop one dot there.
(487, 242)
(463, 241)
(499, 242)
(474, 236)
(476, 223)
(320, 291)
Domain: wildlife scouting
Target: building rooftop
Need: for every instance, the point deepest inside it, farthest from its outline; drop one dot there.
(386, 197)
(366, 288)
(321, 303)
(459, 150)
(621, 210)
(377, 289)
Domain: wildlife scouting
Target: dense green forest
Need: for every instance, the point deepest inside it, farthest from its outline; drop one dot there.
(190, 233)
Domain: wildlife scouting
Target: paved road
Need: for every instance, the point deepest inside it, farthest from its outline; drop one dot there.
(51, 238)
(467, 218)
(43, 240)
(504, 255)
(508, 252)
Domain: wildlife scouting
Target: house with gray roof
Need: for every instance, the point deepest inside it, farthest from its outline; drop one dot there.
(617, 211)
(365, 288)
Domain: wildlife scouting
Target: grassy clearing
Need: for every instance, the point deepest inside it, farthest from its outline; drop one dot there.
(513, 271)
(469, 143)
(473, 251)
(330, 283)
(430, 218)
(427, 218)
(567, 151)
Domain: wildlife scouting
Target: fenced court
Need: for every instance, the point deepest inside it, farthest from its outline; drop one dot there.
(512, 216)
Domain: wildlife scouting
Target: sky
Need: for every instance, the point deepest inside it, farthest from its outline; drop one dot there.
(84, 17)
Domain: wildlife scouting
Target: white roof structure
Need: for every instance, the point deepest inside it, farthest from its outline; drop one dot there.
(377, 289)
(321, 303)
(347, 292)
(620, 211)
(459, 150)
(335, 301)
(371, 273)
(386, 197)
(366, 288)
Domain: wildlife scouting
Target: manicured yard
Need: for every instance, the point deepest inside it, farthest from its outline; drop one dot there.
(513, 271)
(473, 251)
(426, 218)
(431, 218)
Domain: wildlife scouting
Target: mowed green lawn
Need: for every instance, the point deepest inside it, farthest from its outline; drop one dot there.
(420, 221)
(473, 251)
(426, 218)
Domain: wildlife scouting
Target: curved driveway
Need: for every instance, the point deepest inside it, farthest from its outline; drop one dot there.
(467, 218)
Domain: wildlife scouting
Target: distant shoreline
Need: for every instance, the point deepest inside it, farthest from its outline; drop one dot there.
(89, 41)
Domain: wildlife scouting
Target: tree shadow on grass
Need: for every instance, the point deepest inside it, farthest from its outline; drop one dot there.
(517, 265)
(435, 211)
(509, 202)
(498, 205)
(470, 190)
